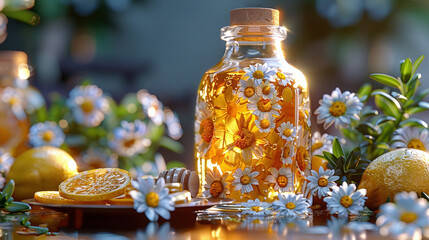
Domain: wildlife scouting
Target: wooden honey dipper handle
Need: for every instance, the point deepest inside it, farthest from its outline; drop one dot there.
(189, 179)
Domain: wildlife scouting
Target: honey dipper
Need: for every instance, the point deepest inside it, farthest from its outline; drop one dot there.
(189, 179)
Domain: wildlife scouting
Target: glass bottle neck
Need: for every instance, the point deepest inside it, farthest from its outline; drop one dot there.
(239, 50)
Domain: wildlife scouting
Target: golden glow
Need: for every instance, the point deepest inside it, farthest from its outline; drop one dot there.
(23, 72)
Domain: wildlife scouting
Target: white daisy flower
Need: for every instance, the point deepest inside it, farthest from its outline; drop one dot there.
(259, 72)
(264, 108)
(129, 139)
(152, 107)
(266, 90)
(15, 99)
(216, 185)
(321, 182)
(46, 134)
(306, 191)
(244, 180)
(285, 225)
(246, 88)
(204, 127)
(287, 153)
(265, 125)
(339, 108)
(152, 199)
(291, 205)
(345, 200)
(174, 129)
(284, 78)
(321, 143)
(287, 131)
(411, 137)
(302, 155)
(282, 178)
(88, 105)
(33, 98)
(97, 158)
(6, 161)
(256, 208)
(409, 216)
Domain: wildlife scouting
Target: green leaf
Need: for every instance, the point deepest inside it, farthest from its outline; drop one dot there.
(386, 80)
(413, 122)
(416, 64)
(406, 69)
(18, 207)
(39, 230)
(412, 85)
(382, 146)
(364, 92)
(25, 221)
(389, 105)
(175, 164)
(367, 128)
(337, 150)
(171, 144)
(384, 120)
(8, 189)
(369, 113)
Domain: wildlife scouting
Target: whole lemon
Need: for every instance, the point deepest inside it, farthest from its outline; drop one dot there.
(400, 170)
(40, 169)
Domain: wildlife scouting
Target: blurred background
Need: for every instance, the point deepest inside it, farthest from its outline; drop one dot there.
(165, 46)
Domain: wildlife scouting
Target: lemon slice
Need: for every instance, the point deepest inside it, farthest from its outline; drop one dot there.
(53, 197)
(121, 201)
(95, 185)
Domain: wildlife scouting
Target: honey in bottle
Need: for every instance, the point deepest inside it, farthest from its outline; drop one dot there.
(252, 127)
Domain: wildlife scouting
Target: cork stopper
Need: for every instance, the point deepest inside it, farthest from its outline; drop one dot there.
(255, 16)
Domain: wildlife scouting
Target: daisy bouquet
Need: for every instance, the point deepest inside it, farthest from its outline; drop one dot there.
(372, 121)
(101, 133)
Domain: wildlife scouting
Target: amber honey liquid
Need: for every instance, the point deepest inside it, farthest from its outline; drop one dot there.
(252, 132)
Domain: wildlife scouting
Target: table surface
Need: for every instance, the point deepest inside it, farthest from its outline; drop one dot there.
(183, 225)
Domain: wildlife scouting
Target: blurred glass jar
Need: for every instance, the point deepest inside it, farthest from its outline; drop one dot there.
(252, 127)
(14, 94)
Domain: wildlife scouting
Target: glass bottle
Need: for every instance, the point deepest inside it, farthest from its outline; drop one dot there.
(14, 123)
(252, 127)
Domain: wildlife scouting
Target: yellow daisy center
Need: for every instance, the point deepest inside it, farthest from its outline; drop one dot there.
(264, 105)
(337, 109)
(282, 181)
(13, 100)
(346, 201)
(417, 144)
(48, 135)
(301, 157)
(129, 143)
(256, 208)
(206, 129)
(265, 123)
(290, 205)
(322, 182)
(258, 74)
(87, 106)
(287, 132)
(286, 152)
(317, 145)
(249, 92)
(408, 217)
(244, 138)
(266, 90)
(152, 199)
(281, 75)
(244, 180)
(216, 188)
